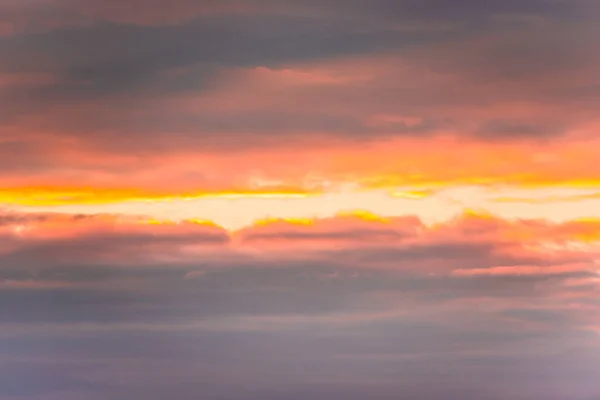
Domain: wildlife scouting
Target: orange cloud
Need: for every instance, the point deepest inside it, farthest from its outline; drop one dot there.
(341, 122)
(467, 246)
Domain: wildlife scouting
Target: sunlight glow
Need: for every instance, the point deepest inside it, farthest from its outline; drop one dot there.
(236, 211)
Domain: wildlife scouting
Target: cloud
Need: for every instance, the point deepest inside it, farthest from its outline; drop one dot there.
(52, 249)
(523, 270)
(137, 76)
(340, 299)
(21, 14)
(117, 114)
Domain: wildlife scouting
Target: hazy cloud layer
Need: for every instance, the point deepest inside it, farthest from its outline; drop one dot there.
(345, 305)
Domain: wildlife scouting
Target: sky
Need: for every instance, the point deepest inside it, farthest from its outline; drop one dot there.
(278, 199)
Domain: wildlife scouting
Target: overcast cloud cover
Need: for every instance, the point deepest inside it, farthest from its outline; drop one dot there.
(103, 101)
(347, 308)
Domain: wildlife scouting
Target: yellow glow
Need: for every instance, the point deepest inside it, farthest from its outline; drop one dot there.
(293, 221)
(50, 196)
(234, 211)
(153, 221)
(60, 196)
(364, 215)
(413, 195)
(201, 221)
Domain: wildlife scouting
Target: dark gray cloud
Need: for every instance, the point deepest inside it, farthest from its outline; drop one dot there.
(100, 246)
(113, 57)
(116, 79)
(156, 12)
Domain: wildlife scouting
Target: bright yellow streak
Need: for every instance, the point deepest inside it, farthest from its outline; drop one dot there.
(153, 221)
(363, 215)
(236, 211)
(293, 221)
(51, 196)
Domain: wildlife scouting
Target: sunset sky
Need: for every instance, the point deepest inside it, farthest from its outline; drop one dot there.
(299, 199)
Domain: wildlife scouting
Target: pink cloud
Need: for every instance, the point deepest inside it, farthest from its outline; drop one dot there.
(524, 270)
(468, 246)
